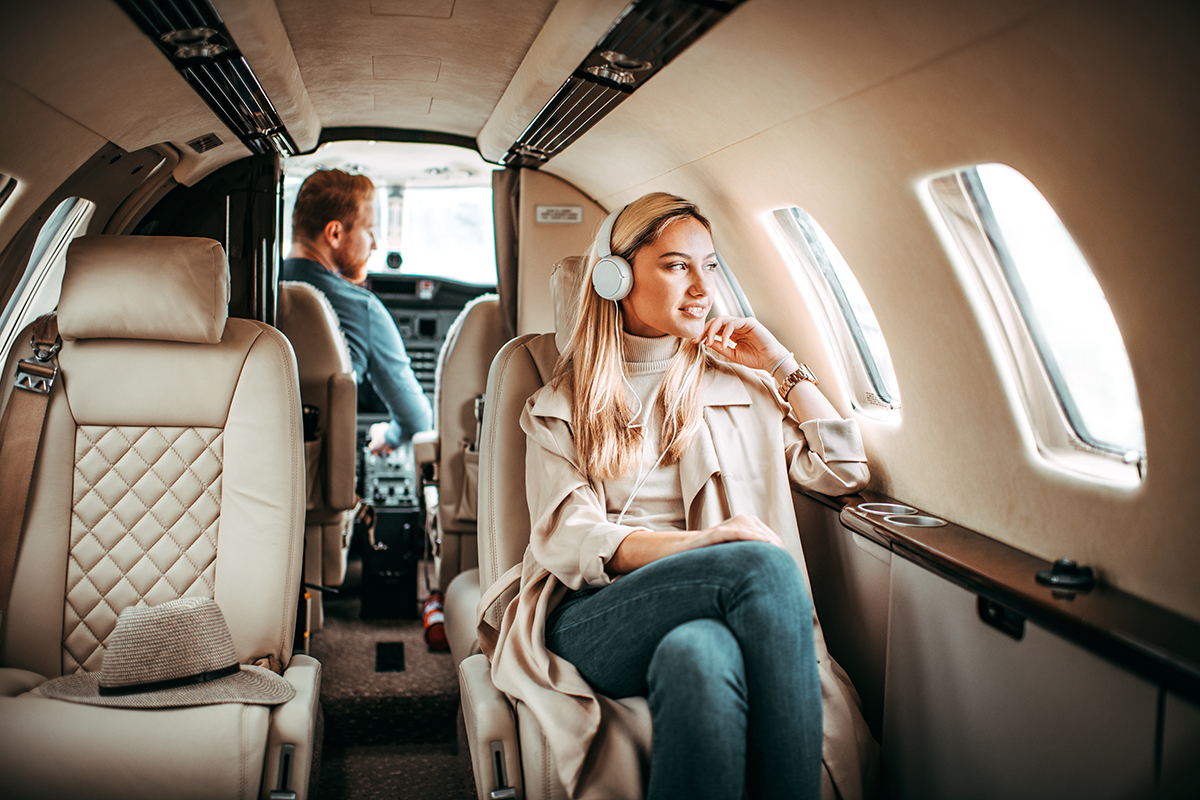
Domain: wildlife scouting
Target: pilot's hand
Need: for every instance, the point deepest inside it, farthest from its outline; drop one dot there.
(378, 444)
(742, 528)
(743, 340)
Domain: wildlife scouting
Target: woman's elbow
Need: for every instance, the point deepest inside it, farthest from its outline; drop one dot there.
(854, 476)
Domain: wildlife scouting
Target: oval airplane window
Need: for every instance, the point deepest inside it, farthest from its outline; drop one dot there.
(1051, 306)
(849, 321)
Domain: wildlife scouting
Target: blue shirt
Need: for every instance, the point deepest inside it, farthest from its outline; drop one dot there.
(376, 350)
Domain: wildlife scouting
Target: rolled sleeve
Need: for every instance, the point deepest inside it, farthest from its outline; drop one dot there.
(828, 457)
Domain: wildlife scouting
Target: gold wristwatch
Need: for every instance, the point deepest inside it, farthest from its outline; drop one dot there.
(801, 373)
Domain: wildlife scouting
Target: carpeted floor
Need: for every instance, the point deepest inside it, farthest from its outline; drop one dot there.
(393, 734)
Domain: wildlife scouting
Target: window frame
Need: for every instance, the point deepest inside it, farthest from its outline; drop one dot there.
(957, 203)
(69, 219)
(730, 299)
(870, 394)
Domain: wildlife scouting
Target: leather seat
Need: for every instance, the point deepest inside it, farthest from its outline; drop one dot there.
(328, 384)
(497, 733)
(171, 465)
(462, 373)
(462, 370)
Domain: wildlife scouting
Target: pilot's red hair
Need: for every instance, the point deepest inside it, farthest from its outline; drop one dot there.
(325, 196)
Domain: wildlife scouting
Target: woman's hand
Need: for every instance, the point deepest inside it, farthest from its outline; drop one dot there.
(743, 340)
(742, 528)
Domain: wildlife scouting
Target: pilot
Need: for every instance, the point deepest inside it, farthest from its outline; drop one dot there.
(333, 234)
(664, 558)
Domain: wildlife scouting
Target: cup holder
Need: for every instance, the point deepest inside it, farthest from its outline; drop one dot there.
(914, 520)
(883, 509)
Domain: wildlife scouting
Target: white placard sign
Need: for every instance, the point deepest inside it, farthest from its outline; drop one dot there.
(559, 215)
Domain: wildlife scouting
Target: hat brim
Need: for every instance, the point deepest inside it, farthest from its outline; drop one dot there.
(251, 684)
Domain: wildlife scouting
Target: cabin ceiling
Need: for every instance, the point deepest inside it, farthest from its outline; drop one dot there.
(439, 65)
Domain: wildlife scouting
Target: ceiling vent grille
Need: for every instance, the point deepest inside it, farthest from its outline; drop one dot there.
(193, 36)
(205, 143)
(645, 38)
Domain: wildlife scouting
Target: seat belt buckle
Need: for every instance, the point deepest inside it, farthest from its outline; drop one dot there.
(35, 376)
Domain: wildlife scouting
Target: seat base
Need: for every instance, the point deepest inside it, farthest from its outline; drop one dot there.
(59, 749)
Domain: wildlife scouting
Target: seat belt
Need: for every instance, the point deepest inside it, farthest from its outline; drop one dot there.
(20, 434)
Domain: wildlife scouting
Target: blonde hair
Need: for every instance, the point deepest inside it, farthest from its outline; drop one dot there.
(592, 364)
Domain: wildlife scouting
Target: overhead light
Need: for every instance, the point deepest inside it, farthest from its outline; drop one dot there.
(195, 39)
(619, 68)
(194, 43)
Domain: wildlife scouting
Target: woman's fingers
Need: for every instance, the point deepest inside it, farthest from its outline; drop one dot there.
(743, 527)
(743, 340)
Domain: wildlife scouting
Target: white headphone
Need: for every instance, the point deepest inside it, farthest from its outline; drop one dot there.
(612, 277)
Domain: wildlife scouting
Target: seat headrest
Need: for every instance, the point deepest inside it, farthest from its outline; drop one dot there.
(171, 288)
(564, 291)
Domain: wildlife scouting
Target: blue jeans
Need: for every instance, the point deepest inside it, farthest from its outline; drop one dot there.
(720, 640)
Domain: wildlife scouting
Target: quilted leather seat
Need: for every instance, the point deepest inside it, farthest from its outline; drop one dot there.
(328, 384)
(171, 465)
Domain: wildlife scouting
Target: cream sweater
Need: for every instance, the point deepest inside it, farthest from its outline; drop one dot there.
(658, 505)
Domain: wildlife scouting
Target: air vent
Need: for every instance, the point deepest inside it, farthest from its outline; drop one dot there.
(205, 143)
(193, 36)
(643, 40)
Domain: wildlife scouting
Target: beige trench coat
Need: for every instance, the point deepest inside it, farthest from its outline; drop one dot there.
(739, 463)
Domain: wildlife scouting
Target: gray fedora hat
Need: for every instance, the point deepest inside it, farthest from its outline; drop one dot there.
(179, 653)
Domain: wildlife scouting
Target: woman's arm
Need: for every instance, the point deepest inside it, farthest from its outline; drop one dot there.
(830, 456)
(642, 546)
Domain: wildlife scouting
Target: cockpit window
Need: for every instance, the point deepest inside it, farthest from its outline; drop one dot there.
(849, 321)
(1078, 385)
(434, 206)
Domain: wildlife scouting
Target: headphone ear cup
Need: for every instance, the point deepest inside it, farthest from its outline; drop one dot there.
(612, 278)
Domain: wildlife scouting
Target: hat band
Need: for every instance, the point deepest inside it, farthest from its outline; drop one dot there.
(172, 683)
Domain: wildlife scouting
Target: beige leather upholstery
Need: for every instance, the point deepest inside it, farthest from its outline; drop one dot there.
(169, 466)
(184, 279)
(327, 382)
(520, 368)
(462, 596)
(462, 371)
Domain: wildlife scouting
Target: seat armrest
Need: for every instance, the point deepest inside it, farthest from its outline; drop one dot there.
(462, 596)
(426, 447)
(18, 681)
(294, 723)
(491, 727)
(342, 442)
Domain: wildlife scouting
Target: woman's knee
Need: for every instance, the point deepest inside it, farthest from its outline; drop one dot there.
(768, 566)
(698, 658)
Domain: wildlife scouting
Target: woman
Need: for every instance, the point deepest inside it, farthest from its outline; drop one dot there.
(664, 559)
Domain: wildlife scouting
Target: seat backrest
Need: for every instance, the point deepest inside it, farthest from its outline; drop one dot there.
(471, 344)
(171, 462)
(328, 384)
(521, 367)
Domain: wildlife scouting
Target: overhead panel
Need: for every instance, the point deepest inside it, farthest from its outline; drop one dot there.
(646, 37)
(192, 35)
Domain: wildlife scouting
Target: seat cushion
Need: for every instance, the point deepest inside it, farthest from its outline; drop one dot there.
(127, 754)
